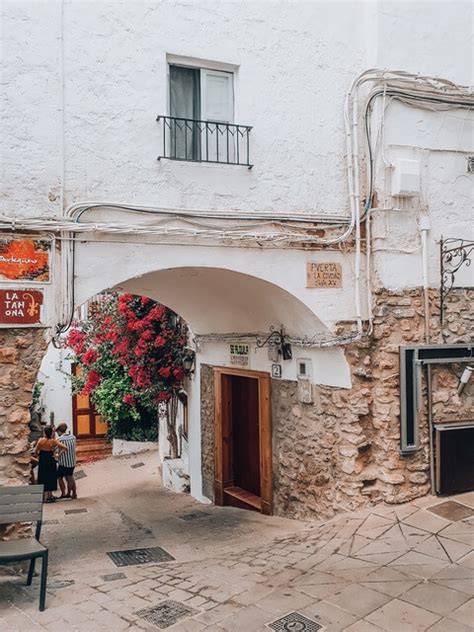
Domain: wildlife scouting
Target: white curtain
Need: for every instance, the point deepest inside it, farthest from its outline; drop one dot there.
(185, 98)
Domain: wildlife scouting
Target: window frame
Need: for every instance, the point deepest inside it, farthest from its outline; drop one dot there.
(203, 87)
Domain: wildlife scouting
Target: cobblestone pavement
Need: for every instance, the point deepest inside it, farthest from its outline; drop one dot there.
(396, 568)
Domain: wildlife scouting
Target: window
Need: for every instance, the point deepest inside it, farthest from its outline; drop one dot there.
(201, 99)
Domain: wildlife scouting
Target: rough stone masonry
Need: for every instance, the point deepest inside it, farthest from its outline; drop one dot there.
(342, 451)
(339, 453)
(21, 352)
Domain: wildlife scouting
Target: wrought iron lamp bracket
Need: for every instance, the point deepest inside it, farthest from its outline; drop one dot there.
(454, 254)
(277, 338)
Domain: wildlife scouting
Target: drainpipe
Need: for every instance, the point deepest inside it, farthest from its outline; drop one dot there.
(425, 226)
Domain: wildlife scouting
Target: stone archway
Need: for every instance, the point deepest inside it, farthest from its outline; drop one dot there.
(213, 300)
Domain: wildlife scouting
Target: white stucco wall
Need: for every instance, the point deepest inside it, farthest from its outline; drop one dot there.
(85, 81)
(56, 396)
(103, 65)
(441, 142)
(207, 287)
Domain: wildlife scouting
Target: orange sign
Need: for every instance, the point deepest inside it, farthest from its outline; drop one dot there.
(24, 260)
(20, 307)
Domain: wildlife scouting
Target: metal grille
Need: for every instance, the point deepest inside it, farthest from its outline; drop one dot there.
(132, 557)
(76, 511)
(193, 140)
(135, 465)
(79, 474)
(194, 515)
(295, 622)
(165, 614)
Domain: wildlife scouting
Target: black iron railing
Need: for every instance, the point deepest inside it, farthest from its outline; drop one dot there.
(205, 141)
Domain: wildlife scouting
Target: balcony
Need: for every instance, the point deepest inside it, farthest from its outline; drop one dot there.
(192, 140)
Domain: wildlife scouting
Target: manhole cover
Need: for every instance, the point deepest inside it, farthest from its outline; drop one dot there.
(195, 515)
(451, 510)
(111, 577)
(139, 556)
(135, 465)
(79, 474)
(295, 622)
(165, 614)
(76, 511)
(60, 583)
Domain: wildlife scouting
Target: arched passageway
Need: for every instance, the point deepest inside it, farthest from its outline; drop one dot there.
(224, 307)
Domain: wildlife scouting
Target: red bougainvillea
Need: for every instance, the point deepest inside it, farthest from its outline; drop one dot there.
(130, 351)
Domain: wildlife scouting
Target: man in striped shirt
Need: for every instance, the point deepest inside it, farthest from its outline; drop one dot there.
(67, 462)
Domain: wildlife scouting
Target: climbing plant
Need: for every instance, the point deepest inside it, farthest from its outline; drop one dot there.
(130, 353)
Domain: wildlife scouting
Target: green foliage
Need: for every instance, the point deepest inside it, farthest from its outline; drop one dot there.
(145, 429)
(37, 388)
(130, 354)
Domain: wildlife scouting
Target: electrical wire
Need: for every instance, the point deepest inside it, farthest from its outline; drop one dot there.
(406, 87)
(405, 97)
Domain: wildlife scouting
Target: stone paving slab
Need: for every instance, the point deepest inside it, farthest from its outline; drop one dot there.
(380, 569)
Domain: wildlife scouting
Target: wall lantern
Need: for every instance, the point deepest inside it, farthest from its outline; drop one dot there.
(189, 358)
(279, 340)
(465, 377)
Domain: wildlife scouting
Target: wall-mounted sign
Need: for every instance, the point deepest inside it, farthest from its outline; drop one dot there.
(20, 307)
(276, 370)
(239, 353)
(323, 275)
(25, 260)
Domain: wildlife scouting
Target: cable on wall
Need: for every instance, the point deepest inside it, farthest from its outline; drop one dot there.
(265, 227)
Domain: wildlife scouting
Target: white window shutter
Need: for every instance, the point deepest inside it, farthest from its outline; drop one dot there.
(217, 107)
(217, 92)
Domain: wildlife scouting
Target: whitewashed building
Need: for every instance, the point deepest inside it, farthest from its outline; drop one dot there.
(281, 175)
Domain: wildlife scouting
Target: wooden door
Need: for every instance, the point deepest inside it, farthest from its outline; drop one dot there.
(243, 454)
(245, 433)
(87, 423)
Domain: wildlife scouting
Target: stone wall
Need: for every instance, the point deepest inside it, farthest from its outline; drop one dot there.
(399, 321)
(342, 451)
(207, 430)
(21, 352)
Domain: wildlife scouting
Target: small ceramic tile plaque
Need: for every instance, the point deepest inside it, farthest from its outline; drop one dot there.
(328, 275)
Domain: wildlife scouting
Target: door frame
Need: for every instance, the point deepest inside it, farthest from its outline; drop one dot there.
(222, 423)
(90, 410)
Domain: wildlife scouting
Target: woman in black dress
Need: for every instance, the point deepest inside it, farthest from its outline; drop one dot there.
(47, 466)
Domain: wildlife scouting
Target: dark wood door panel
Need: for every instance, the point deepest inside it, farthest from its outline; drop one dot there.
(246, 434)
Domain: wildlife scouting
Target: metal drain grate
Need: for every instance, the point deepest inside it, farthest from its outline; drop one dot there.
(140, 556)
(76, 511)
(135, 465)
(111, 577)
(52, 521)
(194, 515)
(165, 614)
(295, 622)
(79, 474)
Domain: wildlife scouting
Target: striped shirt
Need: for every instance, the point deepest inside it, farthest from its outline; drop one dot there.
(67, 458)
